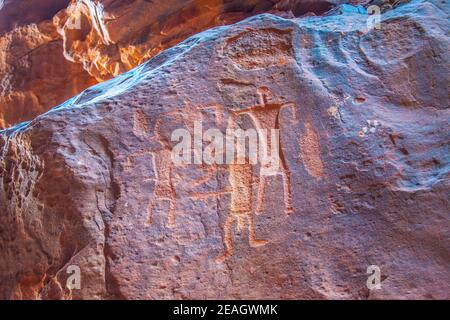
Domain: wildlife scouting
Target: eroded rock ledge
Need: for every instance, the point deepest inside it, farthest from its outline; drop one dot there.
(53, 51)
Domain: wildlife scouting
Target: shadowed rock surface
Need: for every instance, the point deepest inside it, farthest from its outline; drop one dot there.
(363, 117)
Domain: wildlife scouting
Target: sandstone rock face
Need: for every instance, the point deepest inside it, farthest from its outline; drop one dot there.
(34, 75)
(53, 51)
(363, 180)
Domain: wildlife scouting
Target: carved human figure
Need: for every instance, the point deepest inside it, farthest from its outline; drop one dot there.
(241, 209)
(266, 117)
(162, 161)
(164, 189)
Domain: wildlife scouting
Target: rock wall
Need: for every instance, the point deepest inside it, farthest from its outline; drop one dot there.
(54, 50)
(364, 177)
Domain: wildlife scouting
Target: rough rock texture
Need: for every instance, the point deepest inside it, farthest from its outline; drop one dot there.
(363, 119)
(34, 75)
(52, 51)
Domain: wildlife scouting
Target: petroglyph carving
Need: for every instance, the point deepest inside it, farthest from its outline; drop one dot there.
(163, 164)
(140, 124)
(210, 171)
(310, 151)
(218, 110)
(164, 189)
(130, 161)
(163, 178)
(241, 209)
(241, 173)
(266, 117)
(163, 167)
(258, 49)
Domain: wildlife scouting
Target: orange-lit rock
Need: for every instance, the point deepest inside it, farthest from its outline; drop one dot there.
(55, 49)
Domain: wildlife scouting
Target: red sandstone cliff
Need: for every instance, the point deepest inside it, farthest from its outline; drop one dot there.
(53, 50)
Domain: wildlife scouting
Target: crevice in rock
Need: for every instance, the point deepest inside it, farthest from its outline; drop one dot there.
(100, 147)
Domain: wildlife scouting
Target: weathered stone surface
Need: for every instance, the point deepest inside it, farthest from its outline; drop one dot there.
(52, 51)
(16, 13)
(34, 75)
(364, 180)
